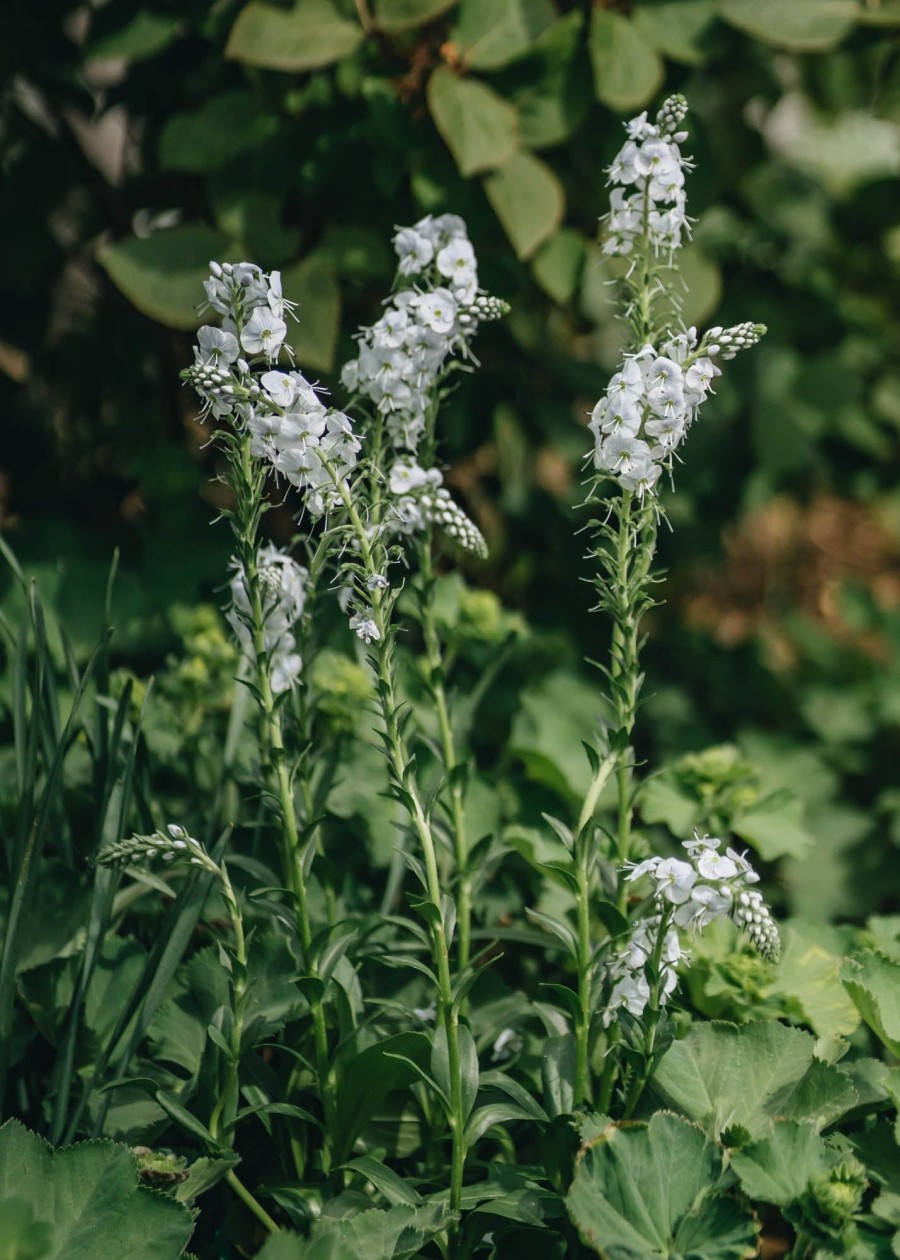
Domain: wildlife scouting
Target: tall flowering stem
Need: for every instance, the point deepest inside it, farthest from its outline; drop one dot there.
(638, 426)
(248, 482)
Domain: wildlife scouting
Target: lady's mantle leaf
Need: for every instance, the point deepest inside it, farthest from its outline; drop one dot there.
(655, 1190)
(721, 1075)
(873, 983)
(84, 1203)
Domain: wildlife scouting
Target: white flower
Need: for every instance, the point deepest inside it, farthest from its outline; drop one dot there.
(674, 880)
(414, 250)
(280, 386)
(365, 627)
(438, 310)
(457, 259)
(216, 345)
(406, 477)
(712, 865)
(264, 333)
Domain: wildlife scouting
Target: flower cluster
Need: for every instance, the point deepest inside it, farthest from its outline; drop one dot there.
(650, 403)
(403, 354)
(688, 896)
(419, 499)
(647, 202)
(307, 444)
(169, 846)
(283, 584)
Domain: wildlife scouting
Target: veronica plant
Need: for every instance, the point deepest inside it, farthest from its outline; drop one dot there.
(639, 426)
(379, 507)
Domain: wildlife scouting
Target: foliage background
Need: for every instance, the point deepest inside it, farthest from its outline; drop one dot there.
(140, 140)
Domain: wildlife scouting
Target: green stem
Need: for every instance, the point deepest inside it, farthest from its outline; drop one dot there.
(400, 765)
(584, 853)
(247, 1198)
(249, 496)
(435, 662)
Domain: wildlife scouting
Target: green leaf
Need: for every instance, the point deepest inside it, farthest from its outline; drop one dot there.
(627, 70)
(778, 1168)
(551, 87)
(395, 1188)
(774, 826)
(401, 15)
(145, 35)
(84, 1202)
(163, 274)
(721, 1075)
(390, 1234)
(654, 1190)
(313, 284)
(549, 727)
(809, 972)
(367, 1079)
(528, 199)
(801, 26)
(558, 264)
(225, 126)
(204, 1173)
(676, 28)
(558, 1073)
(488, 36)
(313, 33)
(479, 128)
(873, 983)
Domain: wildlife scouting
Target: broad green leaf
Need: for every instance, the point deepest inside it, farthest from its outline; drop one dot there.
(558, 1073)
(145, 35)
(394, 1233)
(313, 285)
(254, 218)
(547, 732)
(774, 827)
(400, 15)
(488, 36)
(721, 1075)
(313, 33)
(627, 70)
(778, 1168)
(809, 973)
(84, 1202)
(224, 126)
(163, 274)
(665, 798)
(873, 983)
(703, 281)
(528, 199)
(479, 127)
(655, 1190)
(801, 25)
(676, 28)
(551, 86)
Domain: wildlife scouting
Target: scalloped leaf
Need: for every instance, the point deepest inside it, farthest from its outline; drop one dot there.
(655, 1190)
(380, 1234)
(721, 1075)
(873, 983)
(84, 1202)
(778, 1168)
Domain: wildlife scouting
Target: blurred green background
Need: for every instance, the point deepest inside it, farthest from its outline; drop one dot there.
(139, 140)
